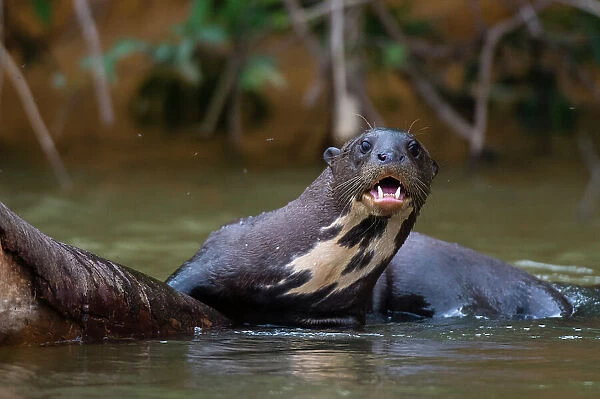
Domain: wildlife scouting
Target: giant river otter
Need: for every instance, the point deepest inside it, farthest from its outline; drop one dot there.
(315, 261)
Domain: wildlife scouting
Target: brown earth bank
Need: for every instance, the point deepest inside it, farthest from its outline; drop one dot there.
(292, 134)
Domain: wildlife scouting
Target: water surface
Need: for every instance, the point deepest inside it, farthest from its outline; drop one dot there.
(153, 216)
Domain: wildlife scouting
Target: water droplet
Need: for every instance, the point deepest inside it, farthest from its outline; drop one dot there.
(270, 139)
(139, 135)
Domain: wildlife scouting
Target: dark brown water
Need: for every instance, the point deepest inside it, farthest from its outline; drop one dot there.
(154, 216)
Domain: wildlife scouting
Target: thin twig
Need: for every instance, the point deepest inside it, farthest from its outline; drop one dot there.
(298, 21)
(224, 88)
(475, 7)
(37, 123)
(589, 6)
(418, 47)
(422, 85)
(338, 69)
(532, 22)
(90, 34)
(323, 9)
(1, 41)
(299, 25)
(436, 102)
(484, 75)
(592, 190)
(473, 133)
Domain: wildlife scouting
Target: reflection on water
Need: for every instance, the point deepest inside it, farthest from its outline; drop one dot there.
(458, 359)
(154, 218)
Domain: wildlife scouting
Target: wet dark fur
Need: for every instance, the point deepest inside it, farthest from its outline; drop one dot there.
(433, 278)
(247, 269)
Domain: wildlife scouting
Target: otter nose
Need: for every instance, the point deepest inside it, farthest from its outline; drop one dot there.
(389, 156)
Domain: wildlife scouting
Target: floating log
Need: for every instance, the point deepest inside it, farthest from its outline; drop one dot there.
(51, 292)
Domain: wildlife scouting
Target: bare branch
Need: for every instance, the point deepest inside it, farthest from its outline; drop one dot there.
(533, 23)
(224, 88)
(324, 8)
(298, 20)
(90, 34)
(443, 110)
(1, 41)
(37, 123)
(423, 86)
(592, 190)
(416, 46)
(475, 6)
(589, 156)
(589, 6)
(486, 59)
(338, 67)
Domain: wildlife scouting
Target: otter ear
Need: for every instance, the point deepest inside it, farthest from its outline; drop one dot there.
(436, 168)
(330, 154)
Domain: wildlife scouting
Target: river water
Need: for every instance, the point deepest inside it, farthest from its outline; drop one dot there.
(154, 215)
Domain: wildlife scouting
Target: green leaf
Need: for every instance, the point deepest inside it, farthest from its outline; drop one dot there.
(43, 10)
(164, 52)
(211, 34)
(184, 61)
(258, 71)
(394, 55)
(123, 48)
(199, 12)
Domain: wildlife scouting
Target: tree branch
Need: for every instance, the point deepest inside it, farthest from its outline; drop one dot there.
(475, 133)
(298, 20)
(323, 9)
(443, 109)
(484, 75)
(224, 88)
(424, 87)
(592, 190)
(589, 6)
(90, 34)
(37, 123)
(1, 41)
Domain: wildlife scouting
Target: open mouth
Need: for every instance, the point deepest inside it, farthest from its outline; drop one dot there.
(388, 190)
(387, 197)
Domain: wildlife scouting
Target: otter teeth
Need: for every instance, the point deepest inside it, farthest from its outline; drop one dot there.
(380, 193)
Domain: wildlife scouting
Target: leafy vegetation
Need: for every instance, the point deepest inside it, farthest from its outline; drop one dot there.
(212, 66)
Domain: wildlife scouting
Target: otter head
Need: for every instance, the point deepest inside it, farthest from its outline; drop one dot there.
(386, 171)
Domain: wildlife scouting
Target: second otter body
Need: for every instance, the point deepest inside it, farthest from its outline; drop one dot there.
(433, 278)
(315, 261)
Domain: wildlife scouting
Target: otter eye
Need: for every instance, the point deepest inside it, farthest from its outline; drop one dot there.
(365, 147)
(414, 148)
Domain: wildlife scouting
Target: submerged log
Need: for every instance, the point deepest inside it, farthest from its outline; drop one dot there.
(51, 292)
